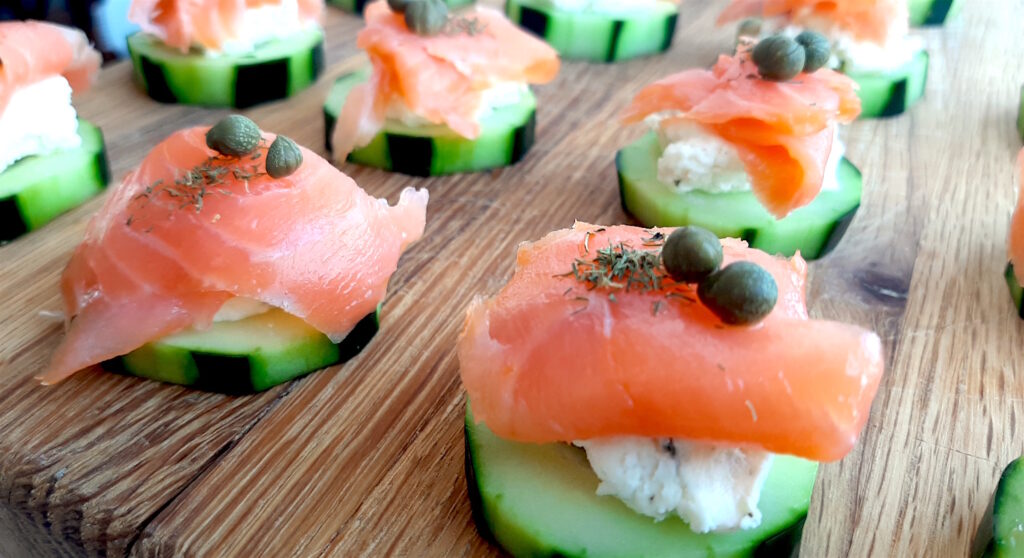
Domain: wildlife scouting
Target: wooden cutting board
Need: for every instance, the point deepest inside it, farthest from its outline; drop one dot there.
(367, 458)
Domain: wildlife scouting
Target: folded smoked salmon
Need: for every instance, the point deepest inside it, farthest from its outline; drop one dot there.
(226, 271)
(681, 413)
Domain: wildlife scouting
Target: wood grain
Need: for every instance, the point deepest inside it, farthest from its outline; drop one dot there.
(366, 459)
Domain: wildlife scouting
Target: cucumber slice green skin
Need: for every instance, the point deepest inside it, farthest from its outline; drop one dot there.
(358, 6)
(540, 500)
(506, 136)
(884, 95)
(1016, 291)
(243, 357)
(1020, 115)
(814, 230)
(35, 190)
(276, 70)
(1001, 532)
(933, 12)
(597, 37)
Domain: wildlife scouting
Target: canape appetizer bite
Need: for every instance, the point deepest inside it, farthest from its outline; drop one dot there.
(933, 12)
(446, 93)
(1015, 269)
(50, 161)
(655, 392)
(221, 53)
(599, 30)
(359, 6)
(748, 149)
(869, 42)
(231, 260)
(1001, 532)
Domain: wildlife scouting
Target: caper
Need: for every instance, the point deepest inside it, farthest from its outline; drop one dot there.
(426, 17)
(750, 27)
(739, 293)
(817, 50)
(399, 6)
(283, 157)
(691, 253)
(779, 58)
(234, 136)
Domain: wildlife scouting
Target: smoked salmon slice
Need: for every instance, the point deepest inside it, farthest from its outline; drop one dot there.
(866, 20)
(1016, 237)
(440, 78)
(34, 50)
(547, 360)
(783, 131)
(182, 24)
(160, 256)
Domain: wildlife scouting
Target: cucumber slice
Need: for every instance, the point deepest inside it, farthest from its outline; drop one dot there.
(1001, 533)
(506, 136)
(276, 70)
(35, 190)
(890, 94)
(357, 6)
(541, 500)
(598, 37)
(814, 230)
(244, 356)
(1020, 115)
(1016, 291)
(933, 12)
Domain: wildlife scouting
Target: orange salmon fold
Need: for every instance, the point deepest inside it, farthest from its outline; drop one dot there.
(783, 131)
(546, 360)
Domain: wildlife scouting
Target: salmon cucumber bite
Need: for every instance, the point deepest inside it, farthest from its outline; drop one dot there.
(599, 30)
(869, 39)
(231, 260)
(655, 392)
(50, 160)
(446, 92)
(226, 54)
(749, 149)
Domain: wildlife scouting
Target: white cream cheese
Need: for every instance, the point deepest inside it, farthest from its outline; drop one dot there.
(263, 24)
(493, 98)
(693, 159)
(610, 7)
(709, 486)
(39, 119)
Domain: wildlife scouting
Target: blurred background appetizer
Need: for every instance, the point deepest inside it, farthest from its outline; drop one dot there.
(50, 161)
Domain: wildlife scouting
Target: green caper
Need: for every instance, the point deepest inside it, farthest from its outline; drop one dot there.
(739, 293)
(283, 157)
(750, 27)
(426, 17)
(817, 50)
(779, 58)
(691, 253)
(399, 6)
(234, 136)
